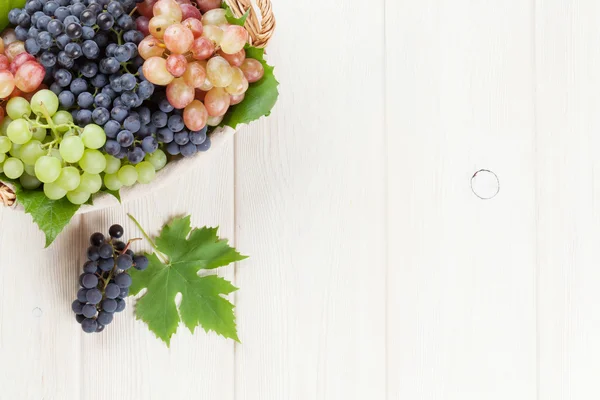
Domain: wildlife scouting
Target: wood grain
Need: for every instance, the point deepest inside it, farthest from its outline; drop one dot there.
(568, 81)
(310, 211)
(374, 271)
(461, 284)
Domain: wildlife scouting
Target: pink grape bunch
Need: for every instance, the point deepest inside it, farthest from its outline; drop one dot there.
(20, 73)
(200, 58)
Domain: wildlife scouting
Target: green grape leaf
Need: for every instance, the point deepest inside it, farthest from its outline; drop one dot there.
(232, 19)
(260, 97)
(5, 7)
(50, 215)
(181, 252)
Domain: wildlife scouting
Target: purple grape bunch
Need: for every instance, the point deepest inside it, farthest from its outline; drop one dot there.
(105, 282)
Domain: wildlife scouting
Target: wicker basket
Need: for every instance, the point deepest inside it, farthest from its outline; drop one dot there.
(261, 25)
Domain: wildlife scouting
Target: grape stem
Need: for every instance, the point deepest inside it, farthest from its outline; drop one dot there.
(158, 253)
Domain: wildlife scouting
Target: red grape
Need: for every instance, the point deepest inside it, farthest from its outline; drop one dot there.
(253, 70)
(203, 48)
(217, 102)
(142, 24)
(179, 93)
(195, 116)
(194, 25)
(177, 65)
(207, 5)
(189, 11)
(29, 76)
(236, 59)
(20, 60)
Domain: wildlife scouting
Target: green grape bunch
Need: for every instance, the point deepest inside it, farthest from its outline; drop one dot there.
(43, 148)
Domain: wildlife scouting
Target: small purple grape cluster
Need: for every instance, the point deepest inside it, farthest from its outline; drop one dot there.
(105, 282)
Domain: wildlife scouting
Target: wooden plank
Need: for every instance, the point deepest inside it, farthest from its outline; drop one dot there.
(461, 286)
(568, 82)
(39, 338)
(310, 211)
(128, 355)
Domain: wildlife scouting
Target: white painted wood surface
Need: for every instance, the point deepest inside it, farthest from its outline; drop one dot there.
(375, 272)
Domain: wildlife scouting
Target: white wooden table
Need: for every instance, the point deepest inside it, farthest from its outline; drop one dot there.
(375, 271)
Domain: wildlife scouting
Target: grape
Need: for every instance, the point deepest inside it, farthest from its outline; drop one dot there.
(234, 39)
(207, 5)
(77, 306)
(92, 162)
(112, 182)
(142, 23)
(194, 25)
(177, 65)
(14, 49)
(195, 75)
(158, 25)
(124, 262)
(62, 118)
(214, 121)
(188, 150)
(173, 149)
(127, 175)
(178, 39)
(239, 84)
(237, 99)
(112, 164)
(169, 9)
(13, 168)
(215, 17)
(91, 183)
(217, 102)
(198, 137)
(219, 72)
(78, 197)
(7, 83)
(110, 305)
(195, 116)
(123, 280)
(112, 291)
(253, 70)
(155, 70)
(116, 231)
(5, 144)
(18, 131)
(15, 150)
(125, 138)
(4, 62)
(213, 33)
(150, 47)
(71, 149)
(236, 59)
(94, 296)
(96, 239)
(140, 262)
(44, 101)
(89, 325)
(179, 93)
(29, 76)
(158, 159)
(203, 48)
(31, 151)
(39, 133)
(54, 192)
(89, 310)
(69, 179)
(146, 172)
(93, 137)
(29, 182)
